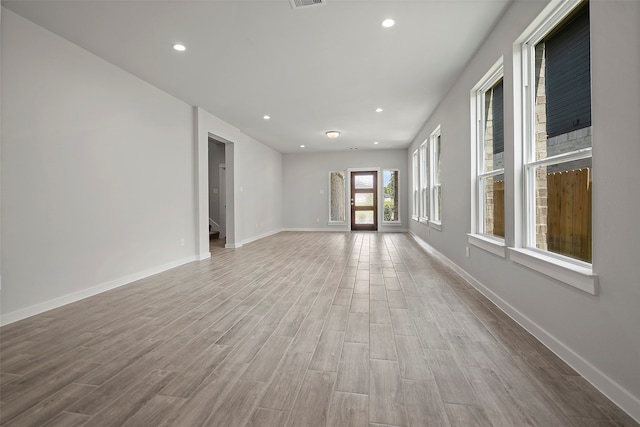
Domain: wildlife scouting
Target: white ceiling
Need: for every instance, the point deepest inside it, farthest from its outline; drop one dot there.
(311, 69)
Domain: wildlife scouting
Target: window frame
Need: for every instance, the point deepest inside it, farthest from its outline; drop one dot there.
(435, 151)
(416, 191)
(398, 221)
(344, 221)
(568, 270)
(424, 182)
(477, 236)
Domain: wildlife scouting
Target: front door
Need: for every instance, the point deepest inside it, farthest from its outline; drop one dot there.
(364, 200)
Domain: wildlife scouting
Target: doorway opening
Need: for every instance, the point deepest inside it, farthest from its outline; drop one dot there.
(364, 200)
(217, 195)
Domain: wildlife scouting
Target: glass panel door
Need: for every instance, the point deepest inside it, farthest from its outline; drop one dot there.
(364, 200)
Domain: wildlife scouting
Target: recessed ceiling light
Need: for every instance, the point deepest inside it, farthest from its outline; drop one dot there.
(379, 110)
(376, 142)
(333, 134)
(387, 23)
(266, 117)
(302, 146)
(179, 47)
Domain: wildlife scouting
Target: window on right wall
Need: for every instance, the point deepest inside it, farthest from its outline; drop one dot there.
(416, 183)
(557, 151)
(435, 183)
(488, 115)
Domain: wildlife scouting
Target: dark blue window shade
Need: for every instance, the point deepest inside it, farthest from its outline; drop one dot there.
(498, 118)
(568, 75)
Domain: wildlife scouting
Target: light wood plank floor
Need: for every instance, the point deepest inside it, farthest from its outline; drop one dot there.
(297, 329)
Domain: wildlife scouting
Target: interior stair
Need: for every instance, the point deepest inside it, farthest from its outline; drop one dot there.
(213, 234)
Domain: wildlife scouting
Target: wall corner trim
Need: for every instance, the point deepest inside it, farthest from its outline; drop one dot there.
(203, 256)
(607, 386)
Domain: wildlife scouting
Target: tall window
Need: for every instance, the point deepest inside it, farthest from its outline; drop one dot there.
(337, 197)
(434, 178)
(416, 183)
(424, 181)
(390, 195)
(557, 151)
(489, 116)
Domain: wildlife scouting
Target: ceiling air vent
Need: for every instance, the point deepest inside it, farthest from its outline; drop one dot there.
(299, 4)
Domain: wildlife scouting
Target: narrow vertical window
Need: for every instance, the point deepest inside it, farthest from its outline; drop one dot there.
(416, 184)
(390, 195)
(435, 177)
(424, 181)
(489, 150)
(337, 197)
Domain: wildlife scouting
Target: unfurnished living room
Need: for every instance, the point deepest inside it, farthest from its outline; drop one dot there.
(320, 213)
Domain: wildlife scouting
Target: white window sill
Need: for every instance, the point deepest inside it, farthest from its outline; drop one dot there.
(571, 274)
(424, 220)
(338, 223)
(392, 223)
(494, 246)
(415, 218)
(435, 225)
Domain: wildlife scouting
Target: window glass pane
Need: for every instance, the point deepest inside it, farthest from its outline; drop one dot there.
(437, 159)
(424, 203)
(364, 217)
(567, 75)
(563, 89)
(563, 209)
(493, 201)
(416, 193)
(390, 193)
(364, 181)
(435, 201)
(493, 129)
(363, 199)
(337, 202)
(435, 189)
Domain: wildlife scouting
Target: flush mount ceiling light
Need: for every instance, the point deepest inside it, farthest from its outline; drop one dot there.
(266, 117)
(179, 47)
(333, 134)
(302, 146)
(379, 110)
(376, 142)
(388, 23)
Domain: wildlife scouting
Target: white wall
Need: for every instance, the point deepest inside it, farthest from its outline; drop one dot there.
(306, 174)
(97, 172)
(254, 184)
(105, 177)
(598, 335)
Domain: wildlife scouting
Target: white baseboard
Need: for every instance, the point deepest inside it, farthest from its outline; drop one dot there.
(261, 236)
(614, 391)
(344, 230)
(340, 230)
(23, 313)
